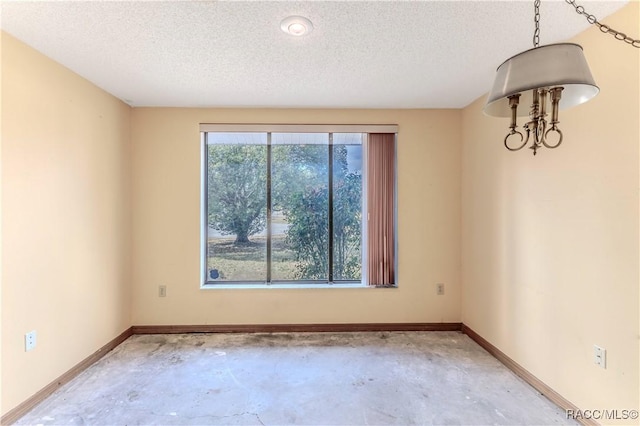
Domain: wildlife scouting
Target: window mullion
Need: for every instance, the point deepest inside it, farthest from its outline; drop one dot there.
(330, 207)
(205, 207)
(269, 208)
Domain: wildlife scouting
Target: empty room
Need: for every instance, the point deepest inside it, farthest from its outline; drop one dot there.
(320, 213)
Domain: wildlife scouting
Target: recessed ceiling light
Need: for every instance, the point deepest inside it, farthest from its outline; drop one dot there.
(296, 25)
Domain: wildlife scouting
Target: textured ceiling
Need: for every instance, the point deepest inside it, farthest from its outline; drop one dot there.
(393, 54)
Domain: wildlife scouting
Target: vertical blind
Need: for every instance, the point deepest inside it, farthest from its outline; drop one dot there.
(380, 209)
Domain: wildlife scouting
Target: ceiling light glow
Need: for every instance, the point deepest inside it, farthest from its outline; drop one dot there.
(296, 26)
(297, 29)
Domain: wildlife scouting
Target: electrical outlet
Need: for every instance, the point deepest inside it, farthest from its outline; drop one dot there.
(162, 291)
(600, 356)
(30, 341)
(440, 289)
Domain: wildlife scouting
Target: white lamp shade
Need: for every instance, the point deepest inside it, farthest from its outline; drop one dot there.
(553, 65)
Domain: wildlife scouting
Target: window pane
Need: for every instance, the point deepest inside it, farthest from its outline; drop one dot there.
(300, 225)
(348, 138)
(299, 138)
(236, 138)
(236, 207)
(347, 209)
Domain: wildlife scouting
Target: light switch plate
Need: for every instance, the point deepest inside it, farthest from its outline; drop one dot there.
(600, 356)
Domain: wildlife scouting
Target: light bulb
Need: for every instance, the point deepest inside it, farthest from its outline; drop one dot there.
(297, 29)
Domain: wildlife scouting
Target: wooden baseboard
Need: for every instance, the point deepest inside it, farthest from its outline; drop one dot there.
(13, 415)
(16, 413)
(525, 375)
(291, 328)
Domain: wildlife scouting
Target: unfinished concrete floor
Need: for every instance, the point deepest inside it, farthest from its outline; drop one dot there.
(399, 378)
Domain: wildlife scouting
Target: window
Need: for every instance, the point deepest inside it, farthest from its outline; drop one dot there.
(287, 206)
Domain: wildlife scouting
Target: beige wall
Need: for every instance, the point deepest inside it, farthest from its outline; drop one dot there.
(166, 224)
(65, 217)
(550, 243)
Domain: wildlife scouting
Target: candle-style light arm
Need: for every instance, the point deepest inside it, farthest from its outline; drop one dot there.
(556, 94)
(514, 100)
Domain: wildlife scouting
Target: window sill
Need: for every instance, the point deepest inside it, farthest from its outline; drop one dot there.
(279, 286)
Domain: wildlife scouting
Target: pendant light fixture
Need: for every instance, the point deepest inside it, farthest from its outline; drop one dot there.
(545, 79)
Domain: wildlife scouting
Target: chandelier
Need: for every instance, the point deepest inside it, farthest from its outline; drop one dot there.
(545, 78)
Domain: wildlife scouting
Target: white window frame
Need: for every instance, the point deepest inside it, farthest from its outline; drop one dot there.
(282, 128)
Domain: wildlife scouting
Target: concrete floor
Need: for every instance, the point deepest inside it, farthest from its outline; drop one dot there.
(297, 378)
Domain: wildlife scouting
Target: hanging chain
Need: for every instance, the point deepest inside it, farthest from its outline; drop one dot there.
(536, 19)
(604, 28)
